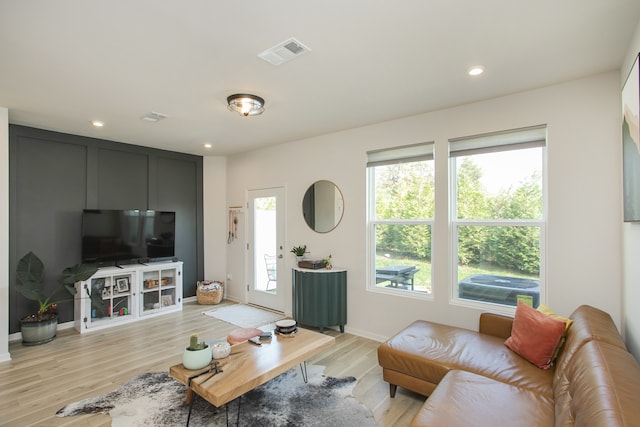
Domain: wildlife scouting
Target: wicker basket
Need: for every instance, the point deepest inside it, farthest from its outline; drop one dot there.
(208, 297)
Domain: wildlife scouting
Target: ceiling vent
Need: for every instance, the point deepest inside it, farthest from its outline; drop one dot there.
(154, 117)
(284, 52)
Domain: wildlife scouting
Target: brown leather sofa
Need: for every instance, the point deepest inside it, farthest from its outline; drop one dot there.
(472, 379)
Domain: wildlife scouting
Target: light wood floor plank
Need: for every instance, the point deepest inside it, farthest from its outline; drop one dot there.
(42, 379)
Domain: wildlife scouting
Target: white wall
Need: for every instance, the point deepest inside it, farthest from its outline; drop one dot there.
(215, 214)
(584, 169)
(4, 232)
(631, 244)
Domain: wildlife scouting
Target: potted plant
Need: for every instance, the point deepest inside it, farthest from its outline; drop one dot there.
(197, 355)
(40, 327)
(299, 252)
(327, 262)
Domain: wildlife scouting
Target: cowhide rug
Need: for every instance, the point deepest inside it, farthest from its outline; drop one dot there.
(155, 399)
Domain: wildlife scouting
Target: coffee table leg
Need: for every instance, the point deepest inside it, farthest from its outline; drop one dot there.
(239, 399)
(303, 369)
(190, 408)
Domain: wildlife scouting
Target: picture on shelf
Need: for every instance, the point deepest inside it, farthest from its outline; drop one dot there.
(167, 300)
(97, 285)
(123, 284)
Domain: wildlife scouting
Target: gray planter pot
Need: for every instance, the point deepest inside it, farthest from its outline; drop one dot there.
(35, 333)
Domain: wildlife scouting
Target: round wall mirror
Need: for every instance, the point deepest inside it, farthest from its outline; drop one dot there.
(323, 206)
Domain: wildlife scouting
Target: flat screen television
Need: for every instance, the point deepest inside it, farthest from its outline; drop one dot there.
(114, 237)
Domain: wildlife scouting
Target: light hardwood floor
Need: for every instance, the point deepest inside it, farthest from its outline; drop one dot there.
(42, 379)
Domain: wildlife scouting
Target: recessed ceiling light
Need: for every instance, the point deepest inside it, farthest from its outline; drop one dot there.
(97, 123)
(476, 70)
(208, 145)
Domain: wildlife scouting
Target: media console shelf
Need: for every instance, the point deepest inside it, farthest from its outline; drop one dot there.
(128, 294)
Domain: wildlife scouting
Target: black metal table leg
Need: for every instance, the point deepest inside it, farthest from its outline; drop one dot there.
(303, 369)
(193, 398)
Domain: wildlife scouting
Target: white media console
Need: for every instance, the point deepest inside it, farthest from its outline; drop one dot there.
(129, 293)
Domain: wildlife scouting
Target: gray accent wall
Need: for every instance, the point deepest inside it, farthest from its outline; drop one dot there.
(54, 176)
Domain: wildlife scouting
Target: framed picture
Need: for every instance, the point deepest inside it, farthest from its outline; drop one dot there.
(123, 284)
(167, 300)
(631, 144)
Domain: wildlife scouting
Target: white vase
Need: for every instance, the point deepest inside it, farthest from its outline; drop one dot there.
(196, 359)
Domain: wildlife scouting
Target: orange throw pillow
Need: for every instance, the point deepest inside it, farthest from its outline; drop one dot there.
(535, 335)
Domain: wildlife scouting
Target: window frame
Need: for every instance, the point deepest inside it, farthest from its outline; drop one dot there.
(526, 141)
(378, 158)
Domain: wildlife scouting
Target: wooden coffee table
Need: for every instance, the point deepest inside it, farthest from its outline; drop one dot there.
(249, 366)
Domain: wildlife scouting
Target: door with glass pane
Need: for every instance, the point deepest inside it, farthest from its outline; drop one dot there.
(266, 248)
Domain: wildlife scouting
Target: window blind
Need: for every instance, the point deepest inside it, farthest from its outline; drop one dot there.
(403, 154)
(515, 139)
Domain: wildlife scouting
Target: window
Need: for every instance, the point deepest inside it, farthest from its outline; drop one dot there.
(400, 185)
(497, 213)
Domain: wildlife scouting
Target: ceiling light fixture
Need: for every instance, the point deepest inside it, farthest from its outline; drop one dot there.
(97, 123)
(476, 70)
(245, 104)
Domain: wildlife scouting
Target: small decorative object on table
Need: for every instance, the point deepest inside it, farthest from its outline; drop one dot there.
(240, 335)
(197, 355)
(221, 350)
(209, 292)
(327, 262)
(312, 264)
(286, 327)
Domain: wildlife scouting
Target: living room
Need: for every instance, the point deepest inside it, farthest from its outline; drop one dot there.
(590, 252)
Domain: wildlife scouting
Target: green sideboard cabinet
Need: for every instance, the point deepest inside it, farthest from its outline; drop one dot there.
(320, 297)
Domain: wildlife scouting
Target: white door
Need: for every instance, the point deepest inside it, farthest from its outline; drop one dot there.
(266, 248)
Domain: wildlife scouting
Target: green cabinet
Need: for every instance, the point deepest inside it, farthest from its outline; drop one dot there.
(320, 297)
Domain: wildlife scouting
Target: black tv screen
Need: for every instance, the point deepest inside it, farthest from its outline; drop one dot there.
(113, 237)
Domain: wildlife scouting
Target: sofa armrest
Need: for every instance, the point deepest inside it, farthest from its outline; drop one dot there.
(497, 325)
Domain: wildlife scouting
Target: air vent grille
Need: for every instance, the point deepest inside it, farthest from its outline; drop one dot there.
(154, 117)
(284, 52)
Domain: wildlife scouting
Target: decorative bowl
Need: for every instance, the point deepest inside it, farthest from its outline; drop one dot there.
(286, 326)
(220, 350)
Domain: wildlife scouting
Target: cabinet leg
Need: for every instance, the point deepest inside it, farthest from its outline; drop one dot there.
(342, 328)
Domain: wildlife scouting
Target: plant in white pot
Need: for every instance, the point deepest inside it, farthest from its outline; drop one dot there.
(40, 327)
(197, 355)
(299, 252)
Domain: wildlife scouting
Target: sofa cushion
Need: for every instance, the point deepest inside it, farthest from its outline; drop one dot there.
(428, 351)
(535, 336)
(589, 323)
(466, 399)
(598, 387)
(568, 322)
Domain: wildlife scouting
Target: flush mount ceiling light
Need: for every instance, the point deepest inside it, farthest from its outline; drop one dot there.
(97, 123)
(476, 70)
(245, 104)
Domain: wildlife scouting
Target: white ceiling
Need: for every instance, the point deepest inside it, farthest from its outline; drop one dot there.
(64, 63)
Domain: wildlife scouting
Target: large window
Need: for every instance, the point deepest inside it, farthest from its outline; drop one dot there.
(400, 218)
(497, 216)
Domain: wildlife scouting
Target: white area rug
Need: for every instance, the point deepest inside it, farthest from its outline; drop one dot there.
(155, 399)
(245, 316)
